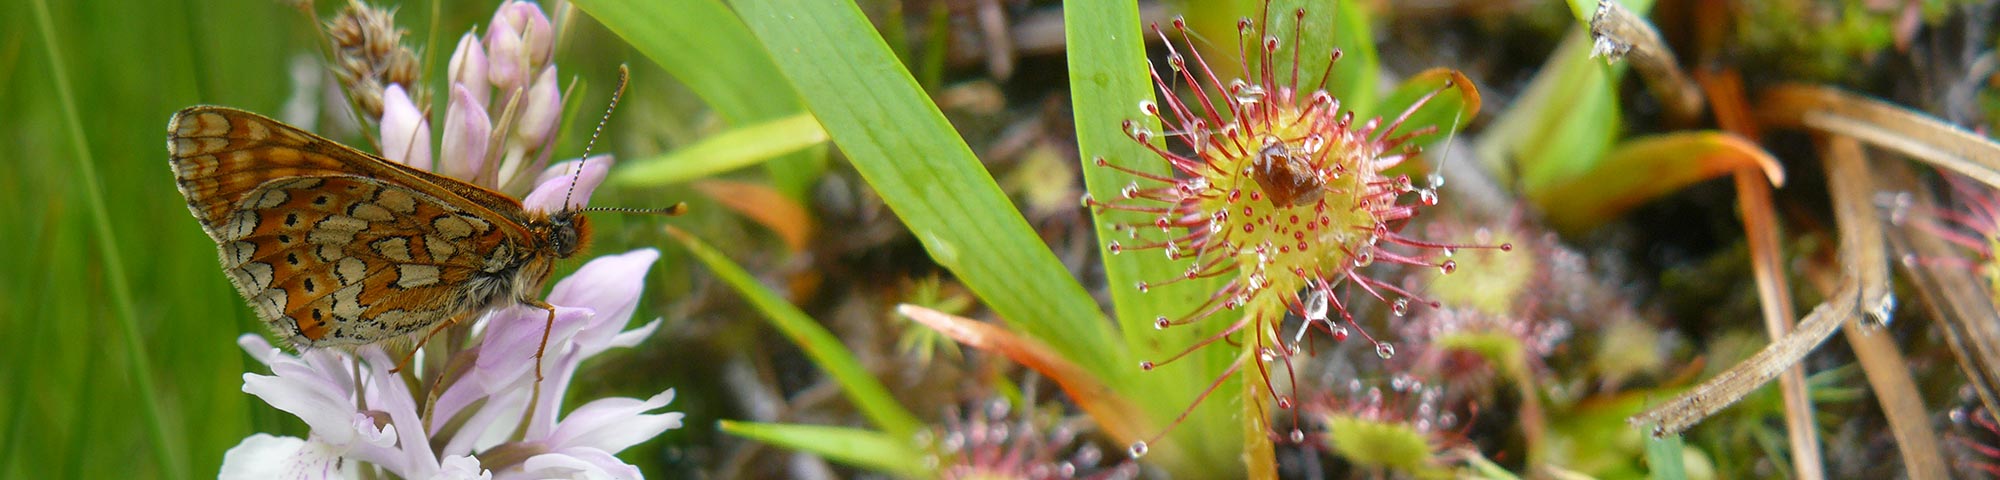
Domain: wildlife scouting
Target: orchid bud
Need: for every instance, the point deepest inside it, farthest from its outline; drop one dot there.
(527, 20)
(468, 68)
(466, 133)
(507, 65)
(540, 111)
(518, 42)
(406, 136)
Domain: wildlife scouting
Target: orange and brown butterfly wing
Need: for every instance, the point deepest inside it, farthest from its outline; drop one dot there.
(219, 154)
(324, 242)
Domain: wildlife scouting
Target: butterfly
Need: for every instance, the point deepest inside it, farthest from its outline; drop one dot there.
(334, 247)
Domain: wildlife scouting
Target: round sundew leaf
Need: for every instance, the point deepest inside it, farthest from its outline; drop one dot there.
(1378, 444)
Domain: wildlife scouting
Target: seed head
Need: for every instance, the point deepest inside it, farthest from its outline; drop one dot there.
(368, 56)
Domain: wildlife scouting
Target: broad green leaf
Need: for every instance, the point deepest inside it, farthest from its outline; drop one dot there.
(1647, 168)
(867, 449)
(704, 46)
(901, 144)
(1561, 125)
(737, 148)
(1567, 118)
(821, 346)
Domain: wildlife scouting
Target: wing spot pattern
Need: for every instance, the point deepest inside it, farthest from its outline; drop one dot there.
(395, 249)
(413, 276)
(350, 271)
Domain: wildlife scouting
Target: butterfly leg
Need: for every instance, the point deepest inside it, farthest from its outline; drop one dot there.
(548, 327)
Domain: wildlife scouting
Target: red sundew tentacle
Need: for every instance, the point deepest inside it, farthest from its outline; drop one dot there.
(1386, 159)
(1101, 162)
(1369, 127)
(1243, 26)
(1265, 374)
(1398, 141)
(1215, 81)
(1392, 288)
(1298, 26)
(1215, 303)
(1396, 212)
(1266, 81)
(1233, 328)
(1967, 220)
(1183, 164)
(1180, 109)
(1956, 238)
(1412, 109)
(1349, 317)
(1218, 267)
(1327, 75)
(1397, 258)
(1264, 39)
(1233, 368)
(1400, 239)
(1362, 281)
(1167, 194)
(1101, 207)
(1311, 113)
(1201, 93)
(1179, 64)
(1190, 121)
(1986, 206)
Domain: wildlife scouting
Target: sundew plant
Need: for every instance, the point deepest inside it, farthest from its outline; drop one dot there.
(1025, 239)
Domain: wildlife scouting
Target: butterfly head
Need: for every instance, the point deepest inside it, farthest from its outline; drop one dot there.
(564, 233)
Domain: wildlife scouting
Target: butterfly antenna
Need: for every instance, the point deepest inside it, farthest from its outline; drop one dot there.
(624, 75)
(675, 210)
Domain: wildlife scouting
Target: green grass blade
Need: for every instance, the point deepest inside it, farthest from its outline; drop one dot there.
(1108, 78)
(704, 46)
(903, 147)
(826, 351)
(737, 148)
(861, 448)
(1663, 456)
(173, 463)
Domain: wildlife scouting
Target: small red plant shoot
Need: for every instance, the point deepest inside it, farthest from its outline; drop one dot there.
(1278, 190)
